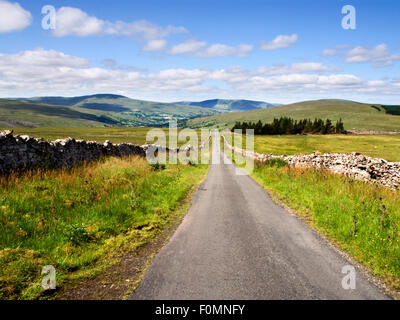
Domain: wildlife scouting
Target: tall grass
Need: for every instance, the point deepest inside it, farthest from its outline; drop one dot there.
(362, 218)
(74, 219)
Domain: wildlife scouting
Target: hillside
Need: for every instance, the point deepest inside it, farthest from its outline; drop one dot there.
(225, 105)
(97, 110)
(20, 114)
(357, 116)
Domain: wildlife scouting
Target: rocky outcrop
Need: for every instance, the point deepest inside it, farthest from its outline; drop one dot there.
(354, 165)
(19, 153)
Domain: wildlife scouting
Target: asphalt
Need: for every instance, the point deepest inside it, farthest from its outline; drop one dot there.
(235, 243)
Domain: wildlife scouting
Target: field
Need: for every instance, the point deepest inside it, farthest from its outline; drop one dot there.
(355, 115)
(363, 219)
(80, 220)
(100, 135)
(377, 146)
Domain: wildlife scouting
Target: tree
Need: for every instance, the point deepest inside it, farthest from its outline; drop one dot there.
(286, 125)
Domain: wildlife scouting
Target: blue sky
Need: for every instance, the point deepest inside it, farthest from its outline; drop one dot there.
(276, 51)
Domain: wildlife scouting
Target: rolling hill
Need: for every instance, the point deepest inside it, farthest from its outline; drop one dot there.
(21, 114)
(96, 110)
(356, 116)
(225, 105)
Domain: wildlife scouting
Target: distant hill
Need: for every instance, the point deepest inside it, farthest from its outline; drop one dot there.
(70, 101)
(21, 114)
(357, 116)
(94, 110)
(225, 105)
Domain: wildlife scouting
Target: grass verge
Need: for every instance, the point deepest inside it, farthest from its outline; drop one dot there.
(360, 218)
(82, 220)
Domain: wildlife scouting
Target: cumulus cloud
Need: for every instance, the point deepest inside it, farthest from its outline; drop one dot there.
(13, 17)
(281, 41)
(297, 82)
(379, 56)
(329, 52)
(221, 50)
(44, 72)
(198, 49)
(188, 46)
(315, 67)
(75, 22)
(335, 50)
(155, 45)
(41, 58)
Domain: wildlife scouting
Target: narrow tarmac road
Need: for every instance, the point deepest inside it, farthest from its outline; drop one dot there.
(236, 243)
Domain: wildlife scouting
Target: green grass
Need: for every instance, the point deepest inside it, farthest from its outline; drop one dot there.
(79, 220)
(114, 134)
(19, 114)
(354, 115)
(363, 219)
(100, 135)
(377, 146)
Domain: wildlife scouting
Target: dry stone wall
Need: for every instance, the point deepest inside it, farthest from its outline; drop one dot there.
(19, 153)
(354, 165)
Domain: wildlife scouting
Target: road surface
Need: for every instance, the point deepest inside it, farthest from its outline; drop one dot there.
(236, 243)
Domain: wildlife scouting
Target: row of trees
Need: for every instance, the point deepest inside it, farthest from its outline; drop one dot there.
(285, 125)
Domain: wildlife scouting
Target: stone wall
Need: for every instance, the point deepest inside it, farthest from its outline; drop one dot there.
(354, 165)
(18, 153)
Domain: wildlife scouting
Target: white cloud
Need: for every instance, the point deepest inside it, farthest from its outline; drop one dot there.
(188, 46)
(48, 72)
(142, 29)
(155, 45)
(335, 50)
(379, 56)
(221, 50)
(196, 48)
(281, 41)
(314, 67)
(75, 22)
(13, 17)
(41, 58)
(329, 52)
